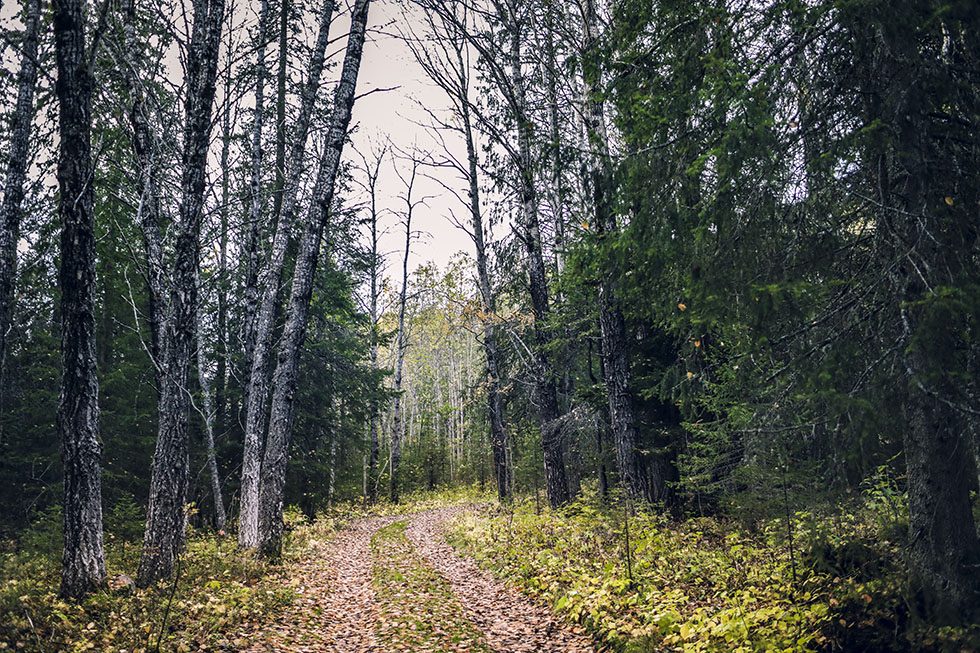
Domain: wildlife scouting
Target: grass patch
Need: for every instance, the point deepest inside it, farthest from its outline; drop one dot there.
(417, 610)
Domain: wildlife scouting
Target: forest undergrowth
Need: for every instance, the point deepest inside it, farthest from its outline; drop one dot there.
(821, 580)
(833, 579)
(217, 589)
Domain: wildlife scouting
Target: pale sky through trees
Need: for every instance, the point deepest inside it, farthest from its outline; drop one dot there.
(395, 114)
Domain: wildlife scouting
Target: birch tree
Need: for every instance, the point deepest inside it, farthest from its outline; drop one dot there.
(83, 562)
(546, 391)
(371, 169)
(444, 56)
(165, 523)
(285, 378)
(15, 177)
(401, 343)
(146, 150)
(258, 342)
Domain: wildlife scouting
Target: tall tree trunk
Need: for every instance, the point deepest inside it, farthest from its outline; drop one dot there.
(448, 23)
(615, 350)
(332, 474)
(165, 523)
(149, 211)
(374, 426)
(294, 333)
(208, 414)
(601, 428)
(491, 347)
(398, 419)
(282, 75)
(557, 190)
(222, 348)
(374, 435)
(546, 392)
(930, 248)
(14, 180)
(83, 563)
(259, 342)
(248, 516)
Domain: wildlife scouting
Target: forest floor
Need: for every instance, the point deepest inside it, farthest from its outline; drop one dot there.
(393, 584)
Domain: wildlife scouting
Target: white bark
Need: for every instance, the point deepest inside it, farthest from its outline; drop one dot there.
(259, 344)
(285, 379)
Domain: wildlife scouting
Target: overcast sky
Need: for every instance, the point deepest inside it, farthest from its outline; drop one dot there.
(380, 116)
(395, 114)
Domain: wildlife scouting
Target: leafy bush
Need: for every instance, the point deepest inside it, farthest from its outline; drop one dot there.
(705, 584)
(217, 589)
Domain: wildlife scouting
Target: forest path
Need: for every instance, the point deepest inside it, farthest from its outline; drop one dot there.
(443, 601)
(510, 621)
(335, 610)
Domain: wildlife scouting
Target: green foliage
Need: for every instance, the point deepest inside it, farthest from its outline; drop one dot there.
(705, 584)
(125, 519)
(216, 590)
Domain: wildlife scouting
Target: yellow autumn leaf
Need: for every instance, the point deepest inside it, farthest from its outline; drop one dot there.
(682, 307)
(949, 200)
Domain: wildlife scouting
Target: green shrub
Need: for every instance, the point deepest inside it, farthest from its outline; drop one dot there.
(706, 584)
(217, 589)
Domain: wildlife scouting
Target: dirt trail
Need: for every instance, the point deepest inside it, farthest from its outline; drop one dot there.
(335, 609)
(511, 622)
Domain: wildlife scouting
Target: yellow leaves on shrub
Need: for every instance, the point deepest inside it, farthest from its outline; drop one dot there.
(203, 606)
(697, 586)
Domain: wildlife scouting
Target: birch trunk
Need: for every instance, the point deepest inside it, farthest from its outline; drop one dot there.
(282, 74)
(165, 523)
(491, 346)
(374, 443)
(149, 211)
(14, 180)
(251, 460)
(221, 349)
(83, 563)
(285, 379)
(546, 392)
(398, 420)
(451, 73)
(259, 344)
(615, 350)
(208, 410)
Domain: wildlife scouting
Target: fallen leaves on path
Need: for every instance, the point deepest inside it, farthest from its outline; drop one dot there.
(416, 607)
(394, 584)
(334, 608)
(510, 621)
